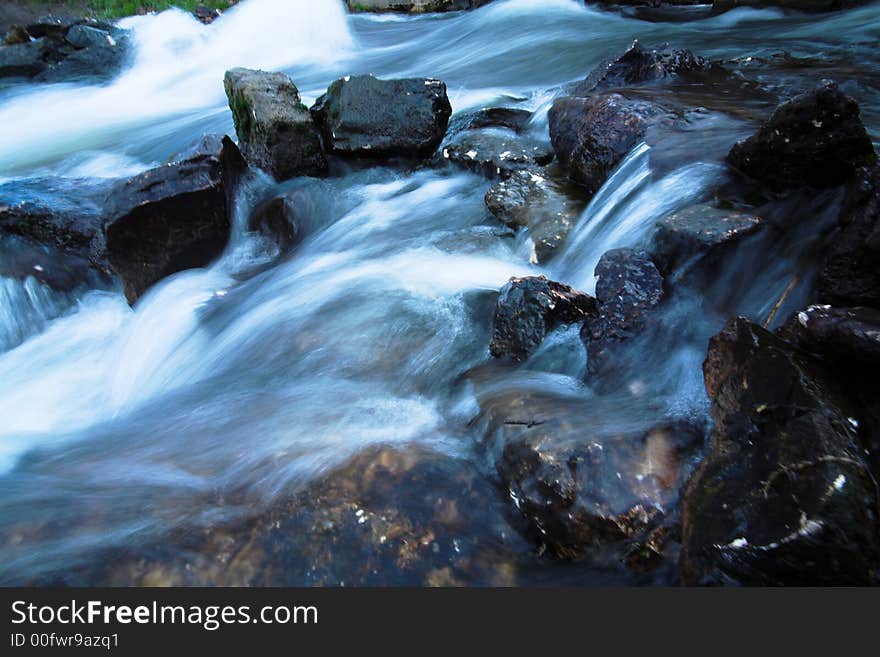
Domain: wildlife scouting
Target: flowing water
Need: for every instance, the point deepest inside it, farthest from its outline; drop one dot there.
(261, 374)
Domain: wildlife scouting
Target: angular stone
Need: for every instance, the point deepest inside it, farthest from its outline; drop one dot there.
(364, 116)
(276, 131)
(495, 154)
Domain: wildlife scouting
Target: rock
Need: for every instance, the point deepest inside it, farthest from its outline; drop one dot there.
(413, 6)
(529, 308)
(391, 517)
(784, 496)
(583, 489)
(66, 49)
(700, 231)
(496, 154)
(638, 65)
(103, 59)
(535, 200)
(843, 336)
(78, 233)
(799, 5)
(511, 118)
(592, 135)
(15, 36)
(815, 139)
(276, 220)
(850, 272)
(275, 129)
(365, 116)
(206, 15)
(23, 60)
(172, 218)
(628, 288)
(53, 26)
(84, 36)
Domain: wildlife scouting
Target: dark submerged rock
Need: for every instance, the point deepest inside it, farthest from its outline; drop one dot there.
(582, 489)
(512, 118)
(391, 516)
(536, 200)
(275, 129)
(496, 154)
(276, 219)
(628, 287)
(365, 116)
(850, 273)
(784, 496)
(799, 5)
(815, 139)
(700, 231)
(638, 65)
(529, 308)
(592, 135)
(174, 217)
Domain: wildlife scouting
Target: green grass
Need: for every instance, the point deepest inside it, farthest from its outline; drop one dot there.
(120, 8)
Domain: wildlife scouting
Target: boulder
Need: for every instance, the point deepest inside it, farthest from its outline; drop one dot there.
(638, 65)
(815, 139)
(529, 308)
(364, 116)
(592, 135)
(699, 232)
(581, 488)
(536, 200)
(390, 517)
(206, 15)
(172, 218)
(412, 6)
(276, 131)
(784, 495)
(52, 26)
(850, 271)
(628, 287)
(843, 336)
(496, 153)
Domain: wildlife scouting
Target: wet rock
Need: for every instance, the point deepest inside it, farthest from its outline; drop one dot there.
(638, 65)
(206, 15)
(65, 49)
(529, 308)
(583, 488)
(799, 5)
(815, 139)
(628, 287)
(172, 218)
(784, 496)
(276, 219)
(413, 6)
(849, 336)
(592, 135)
(365, 116)
(78, 233)
(275, 129)
(23, 60)
(850, 273)
(511, 118)
(15, 36)
(536, 200)
(496, 154)
(405, 517)
(700, 231)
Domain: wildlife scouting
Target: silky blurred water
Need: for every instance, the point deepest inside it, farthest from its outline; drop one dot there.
(225, 379)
